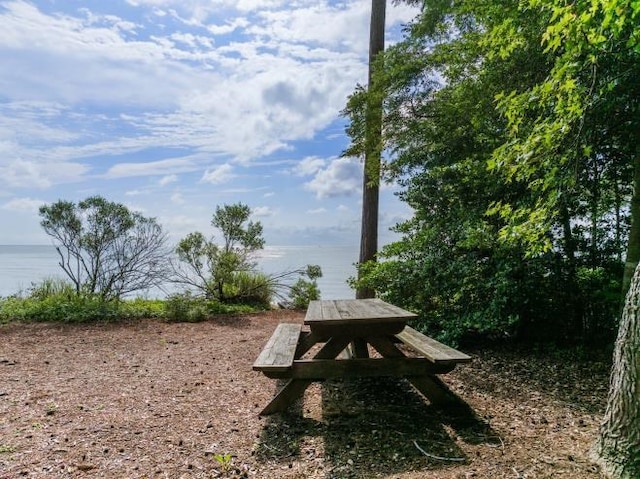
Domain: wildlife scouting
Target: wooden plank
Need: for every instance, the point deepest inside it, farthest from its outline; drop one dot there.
(329, 311)
(359, 348)
(317, 369)
(430, 348)
(349, 310)
(386, 347)
(279, 352)
(371, 308)
(357, 329)
(314, 310)
(332, 348)
(306, 342)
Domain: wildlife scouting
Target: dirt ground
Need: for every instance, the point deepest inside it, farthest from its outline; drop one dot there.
(163, 400)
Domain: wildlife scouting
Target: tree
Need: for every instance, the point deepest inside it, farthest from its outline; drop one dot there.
(104, 248)
(372, 146)
(591, 94)
(618, 446)
(210, 267)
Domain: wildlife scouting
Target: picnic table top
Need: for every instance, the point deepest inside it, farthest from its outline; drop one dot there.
(354, 311)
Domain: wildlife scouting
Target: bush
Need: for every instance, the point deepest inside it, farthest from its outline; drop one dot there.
(249, 287)
(51, 287)
(59, 308)
(56, 300)
(184, 307)
(302, 292)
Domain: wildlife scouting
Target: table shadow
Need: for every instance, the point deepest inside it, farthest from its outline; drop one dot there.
(373, 426)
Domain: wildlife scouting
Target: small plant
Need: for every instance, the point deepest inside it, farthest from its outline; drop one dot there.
(5, 448)
(224, 460)
(178, 306)
(305, 290)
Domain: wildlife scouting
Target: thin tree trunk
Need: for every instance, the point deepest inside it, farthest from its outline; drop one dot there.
(576, 317)
(617, 449)
(373, 134)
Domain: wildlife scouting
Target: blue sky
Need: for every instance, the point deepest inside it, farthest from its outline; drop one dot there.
(173, 107)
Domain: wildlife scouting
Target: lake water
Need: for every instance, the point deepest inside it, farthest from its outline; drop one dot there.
(22, 265)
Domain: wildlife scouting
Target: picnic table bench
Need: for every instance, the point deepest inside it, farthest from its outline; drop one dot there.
(341, 331)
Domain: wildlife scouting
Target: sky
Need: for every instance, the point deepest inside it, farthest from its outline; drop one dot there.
(174, 107)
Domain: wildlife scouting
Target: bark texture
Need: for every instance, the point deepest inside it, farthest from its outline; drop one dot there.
(618, 446)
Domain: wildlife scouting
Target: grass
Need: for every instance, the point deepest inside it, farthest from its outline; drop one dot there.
(57, 301)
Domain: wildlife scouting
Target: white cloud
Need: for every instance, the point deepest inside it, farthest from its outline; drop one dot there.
(262, 211)
(123, 170)
(308, 166)
(219, 174)
(19, 173)
(317, 211)
(177, 199)
(105, 97)
(30, 205)
(343, 177)
(168, 179)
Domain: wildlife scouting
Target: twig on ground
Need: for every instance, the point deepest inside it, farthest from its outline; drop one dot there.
(500, 446)
(439, 458)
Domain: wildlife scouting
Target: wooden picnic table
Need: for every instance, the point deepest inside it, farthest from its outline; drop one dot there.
(336, 345)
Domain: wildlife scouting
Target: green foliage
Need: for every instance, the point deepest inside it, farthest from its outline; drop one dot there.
(56, 300)
(517, 164)
(185, 307)
(249, 288)
(65, 308)
(104, 248)
(6, 448)
(212, 268)
(51, 287)
(303, 291)
(224, 461)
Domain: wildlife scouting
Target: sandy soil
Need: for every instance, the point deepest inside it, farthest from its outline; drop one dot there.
(159, 400)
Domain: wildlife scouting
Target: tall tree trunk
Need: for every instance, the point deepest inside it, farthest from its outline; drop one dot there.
(633, 248)
(373, 135)
(617, 449)
(618, 446)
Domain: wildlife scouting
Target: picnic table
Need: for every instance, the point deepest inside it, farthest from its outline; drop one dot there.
(337, 344)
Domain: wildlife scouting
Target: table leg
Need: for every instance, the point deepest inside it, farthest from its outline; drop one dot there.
(296, 387)
(286, 396)
(428, 384)
(433, 389)
(358, 348)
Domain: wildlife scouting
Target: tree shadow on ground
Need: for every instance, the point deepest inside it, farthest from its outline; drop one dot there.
(374, 426)
(572, 377)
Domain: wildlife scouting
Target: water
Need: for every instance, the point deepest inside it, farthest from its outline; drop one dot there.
(20, 266)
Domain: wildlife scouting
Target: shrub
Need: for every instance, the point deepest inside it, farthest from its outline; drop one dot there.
(56, 300)
(302, 292)
(249, 287)
(178, 306)
(51, 287)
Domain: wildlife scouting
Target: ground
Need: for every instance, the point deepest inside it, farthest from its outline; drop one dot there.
(151, 399)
